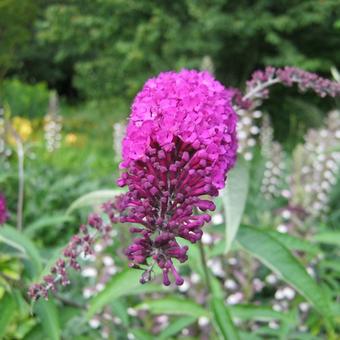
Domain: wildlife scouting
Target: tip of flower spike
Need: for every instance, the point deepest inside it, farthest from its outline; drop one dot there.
(166, 281)
(146, 276)
(179, 281)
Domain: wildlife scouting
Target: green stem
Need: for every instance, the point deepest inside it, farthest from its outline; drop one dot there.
(21, 175)
(205, 267)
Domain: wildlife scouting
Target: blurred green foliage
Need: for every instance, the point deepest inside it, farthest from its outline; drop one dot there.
(24, 99)
(16, 20)
(108, 48)
(97, 54)
(105, 49)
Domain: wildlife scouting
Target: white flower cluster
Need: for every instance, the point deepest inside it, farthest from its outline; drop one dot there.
(5, 152)
(99, 273)
(247, 130)
(118, 133)
(266, 136)
(53, 124)
(274, 161)
(272, 176)
(321, 163)
(207, 64)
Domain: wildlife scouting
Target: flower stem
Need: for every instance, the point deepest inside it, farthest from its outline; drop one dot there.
(251, 94)
(21, 175)
(205, 267)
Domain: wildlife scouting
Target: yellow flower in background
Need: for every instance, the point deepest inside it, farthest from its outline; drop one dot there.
(23, 127)
(71, 138)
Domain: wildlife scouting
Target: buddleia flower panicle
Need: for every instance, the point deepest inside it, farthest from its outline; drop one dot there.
(258, 86)
(81, 245)
(257, 90)
(3, 209)
(180, 144)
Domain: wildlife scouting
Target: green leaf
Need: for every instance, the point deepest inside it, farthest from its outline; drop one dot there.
(124, 283)
(94, 198)
(252, 312)
(149, 288)
(141, 334)
(294, 243)
(10, 242)
(46, 221)
(22, 306)
(176, 326)
(334, 265)
(234, 200)
(268, 333)
(329, 237)
(12, 237)
(8, 309)
(222, 320)
(174, 306)
(249, 336)
(119, 308)
(48, 315)
(279, 259)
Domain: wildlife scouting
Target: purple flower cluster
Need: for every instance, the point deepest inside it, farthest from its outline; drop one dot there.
(179, 145)
(307, 80)
(257, 86)
(81, 244)
(3, 209)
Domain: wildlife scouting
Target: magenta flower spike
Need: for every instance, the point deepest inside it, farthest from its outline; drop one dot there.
(3, 210)
(180, 144)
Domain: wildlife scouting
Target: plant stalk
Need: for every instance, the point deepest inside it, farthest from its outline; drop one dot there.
(21, 176)
(205, 267)
(21, 185)
(259, 88)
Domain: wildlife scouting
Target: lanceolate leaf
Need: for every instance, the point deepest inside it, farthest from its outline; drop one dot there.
(280, 260)
(174, 306)
(46, 222)
(176, 326)
(48, 315)
(294, 243)
(234, 200)
(328, 237)
(18, 240)
(92, 199)
(252, 312)
(8, 310)
(124, 283)
(142, 334)
(223, 321)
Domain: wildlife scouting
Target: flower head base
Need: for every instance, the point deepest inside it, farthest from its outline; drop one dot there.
(3, 210)
(179, 145)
